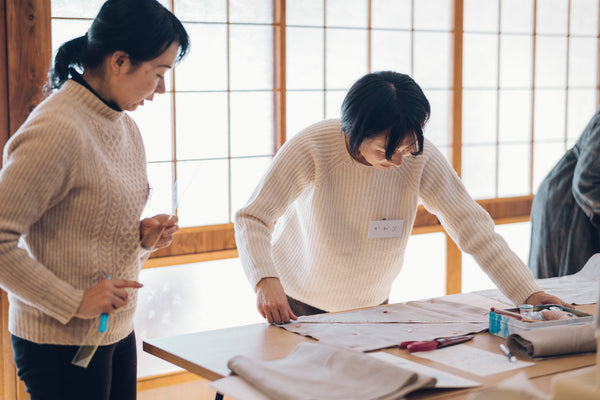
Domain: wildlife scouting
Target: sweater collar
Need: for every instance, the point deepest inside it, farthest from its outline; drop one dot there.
(77, 77)
(87, 96)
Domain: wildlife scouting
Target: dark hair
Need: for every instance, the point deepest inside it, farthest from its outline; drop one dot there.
(381, 100)
(143, 29)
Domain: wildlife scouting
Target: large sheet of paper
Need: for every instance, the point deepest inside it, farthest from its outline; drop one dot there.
(473, 360)
(444, 380)
(579, 288)
(386, 326)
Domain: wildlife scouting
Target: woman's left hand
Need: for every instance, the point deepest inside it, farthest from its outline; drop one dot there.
(158, 231)
(539, 298)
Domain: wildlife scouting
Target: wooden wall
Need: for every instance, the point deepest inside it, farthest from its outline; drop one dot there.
(4, 126)
(25, 35)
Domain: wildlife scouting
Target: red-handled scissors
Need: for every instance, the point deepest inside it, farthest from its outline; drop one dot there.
(427, 345)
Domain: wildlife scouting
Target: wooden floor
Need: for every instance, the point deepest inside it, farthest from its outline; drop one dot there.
(195, 390)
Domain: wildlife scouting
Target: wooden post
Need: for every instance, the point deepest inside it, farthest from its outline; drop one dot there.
(26, 48)
(453, 253)
(4, 127)
(29, 52)
(279, 65)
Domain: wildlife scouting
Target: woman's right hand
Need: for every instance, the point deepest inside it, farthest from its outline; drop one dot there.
(272, 303)
(105, 297)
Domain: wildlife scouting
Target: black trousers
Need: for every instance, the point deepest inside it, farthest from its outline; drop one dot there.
(299, 308)
(48, 373)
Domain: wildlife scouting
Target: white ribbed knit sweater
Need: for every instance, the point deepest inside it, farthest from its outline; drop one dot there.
(323, 201)
(73, 185)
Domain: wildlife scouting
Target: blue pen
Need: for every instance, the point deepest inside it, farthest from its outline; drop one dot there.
(104, 319)
(506, 351)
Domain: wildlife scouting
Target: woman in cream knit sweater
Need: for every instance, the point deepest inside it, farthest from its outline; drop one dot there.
(345, 196)
(73, 186)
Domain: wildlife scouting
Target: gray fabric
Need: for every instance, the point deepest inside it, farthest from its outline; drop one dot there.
(565, 214)
(317, 371)
(553, 341)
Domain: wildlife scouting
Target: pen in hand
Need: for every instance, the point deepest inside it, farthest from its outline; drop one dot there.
(103, 319)
(506, 351)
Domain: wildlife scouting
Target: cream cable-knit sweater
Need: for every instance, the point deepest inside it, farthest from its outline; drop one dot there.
(73, 186)
(323, 201)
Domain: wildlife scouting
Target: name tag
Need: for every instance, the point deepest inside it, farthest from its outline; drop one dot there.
(386, 228)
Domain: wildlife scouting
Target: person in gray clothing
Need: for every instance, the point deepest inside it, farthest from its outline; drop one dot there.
(565, 214)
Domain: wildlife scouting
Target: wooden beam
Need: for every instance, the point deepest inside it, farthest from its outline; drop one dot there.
(453, 254)
(190, 258)
(453, 274)
(280, 80)
(23, 69)
(206, 243)
(456, 66)
(4, 125)
(29, 52)
(200, 239)
(9, 375)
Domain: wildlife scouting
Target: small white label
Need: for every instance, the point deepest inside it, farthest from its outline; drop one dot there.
(386, 228)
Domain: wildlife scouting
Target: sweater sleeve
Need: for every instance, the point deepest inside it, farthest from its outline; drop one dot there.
(38, 167)
(471, 227)
(586, 177)
(291, 171)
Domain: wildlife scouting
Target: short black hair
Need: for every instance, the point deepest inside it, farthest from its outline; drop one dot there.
(384, 99)
(143, 29)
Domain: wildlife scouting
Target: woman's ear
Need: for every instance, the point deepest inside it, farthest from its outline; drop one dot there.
(119, 62)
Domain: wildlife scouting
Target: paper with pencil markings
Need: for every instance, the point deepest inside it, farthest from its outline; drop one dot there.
(425, 311)
(386, 326)
(473, 360)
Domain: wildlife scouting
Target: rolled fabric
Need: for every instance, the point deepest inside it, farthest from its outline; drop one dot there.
(318, 371)
(553, 341)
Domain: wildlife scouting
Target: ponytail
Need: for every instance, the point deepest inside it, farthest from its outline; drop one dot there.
(69, 54)
(143, 29)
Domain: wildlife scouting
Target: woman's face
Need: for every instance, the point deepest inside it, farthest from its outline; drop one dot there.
(372, 150)
(135, 84)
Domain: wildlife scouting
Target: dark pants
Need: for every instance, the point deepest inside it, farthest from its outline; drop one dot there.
(48, 373)
(299, 308)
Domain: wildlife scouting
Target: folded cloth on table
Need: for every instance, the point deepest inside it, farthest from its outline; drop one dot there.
(553, 341)
(319, 371)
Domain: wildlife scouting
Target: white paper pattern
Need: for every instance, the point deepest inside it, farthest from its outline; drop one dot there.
(473, 360)
(579, 288)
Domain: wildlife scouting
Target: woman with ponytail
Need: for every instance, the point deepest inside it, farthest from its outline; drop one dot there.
(72, 189)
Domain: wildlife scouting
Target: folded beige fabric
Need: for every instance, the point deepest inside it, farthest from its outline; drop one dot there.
(553, 341)
(318, 371)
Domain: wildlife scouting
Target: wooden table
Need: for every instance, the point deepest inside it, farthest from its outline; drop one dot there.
(206, 353)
